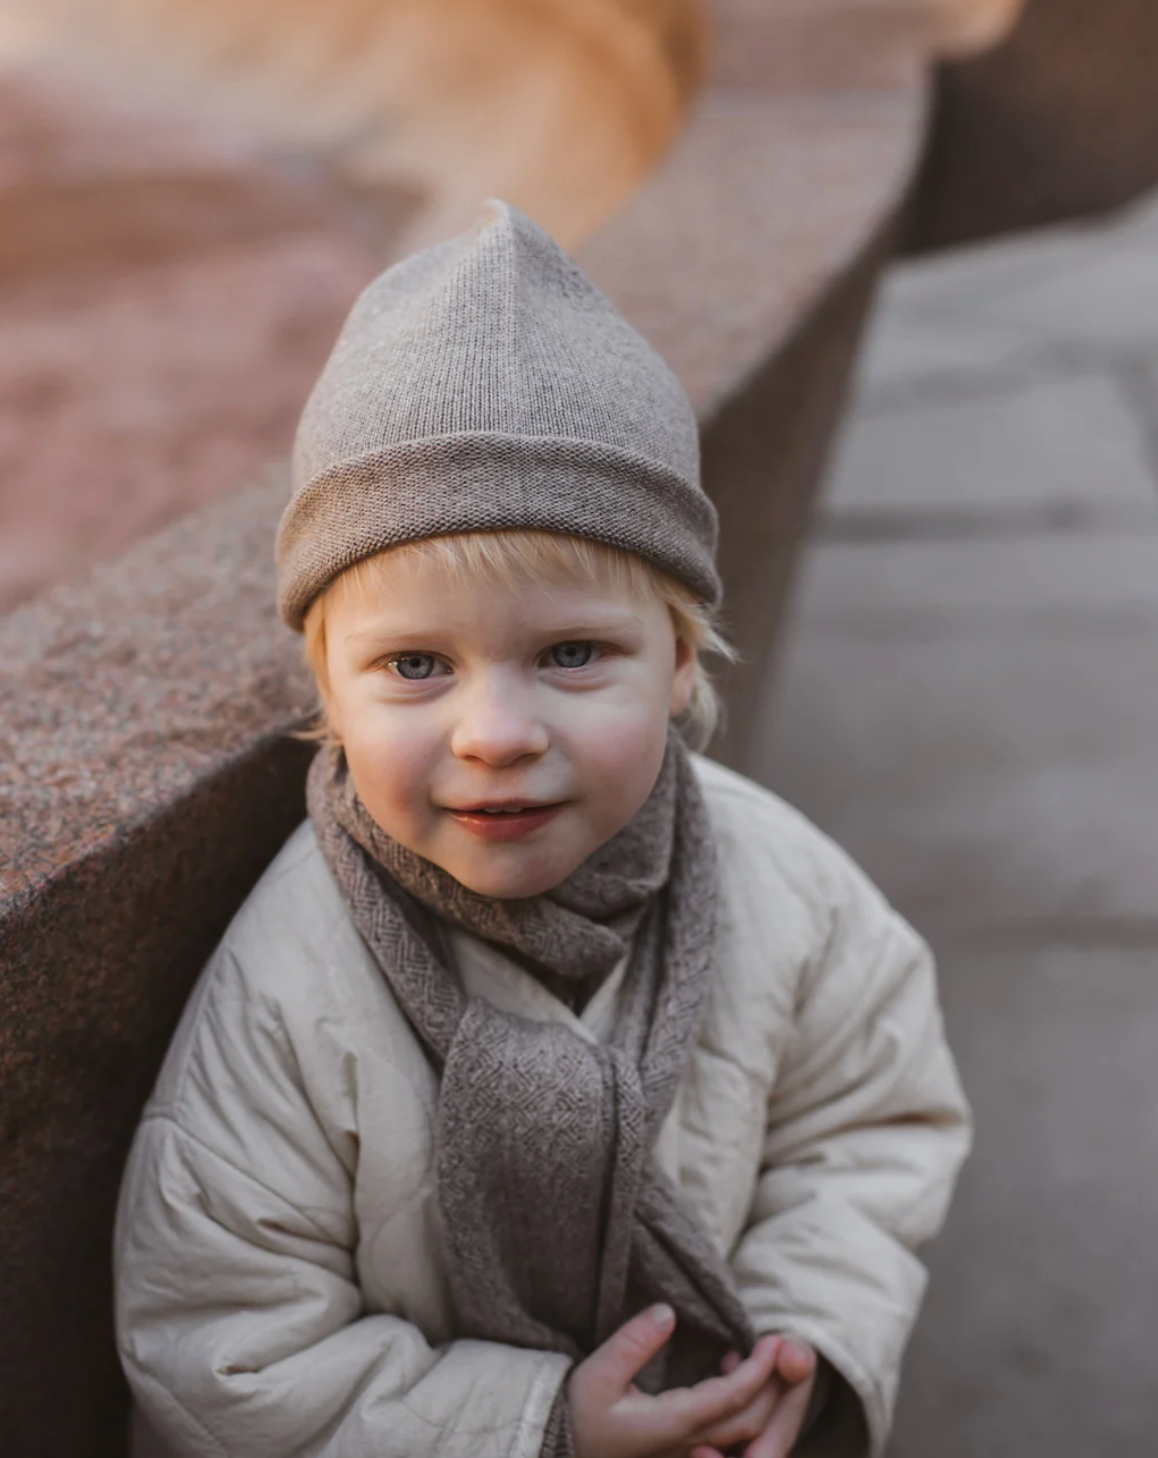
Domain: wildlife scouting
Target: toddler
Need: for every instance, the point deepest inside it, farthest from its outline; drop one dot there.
(556, 1091)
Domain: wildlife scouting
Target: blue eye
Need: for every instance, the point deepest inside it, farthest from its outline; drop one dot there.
(421, 663)
(572, 655)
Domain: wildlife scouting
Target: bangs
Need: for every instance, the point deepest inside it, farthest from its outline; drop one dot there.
(497, 557)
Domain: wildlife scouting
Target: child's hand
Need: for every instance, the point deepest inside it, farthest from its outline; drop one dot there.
(612, 1418)
(771, 1423)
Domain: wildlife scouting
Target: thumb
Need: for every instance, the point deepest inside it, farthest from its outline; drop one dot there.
(796, 1360)
(613, 1366)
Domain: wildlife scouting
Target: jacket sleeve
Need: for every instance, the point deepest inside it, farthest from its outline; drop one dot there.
(240, 1322)
(867, 1127)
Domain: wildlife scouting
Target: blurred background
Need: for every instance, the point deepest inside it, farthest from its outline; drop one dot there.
(969, 704)
(904, 253)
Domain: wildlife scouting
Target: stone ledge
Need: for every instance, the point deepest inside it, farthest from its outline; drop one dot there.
(97, 965)
(121, 693)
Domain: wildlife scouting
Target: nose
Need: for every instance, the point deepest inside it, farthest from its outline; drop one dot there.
(498, 723)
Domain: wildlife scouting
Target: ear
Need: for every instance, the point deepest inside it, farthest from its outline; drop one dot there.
(684, 678)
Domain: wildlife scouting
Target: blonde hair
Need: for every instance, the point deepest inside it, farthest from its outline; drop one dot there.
(493, 557)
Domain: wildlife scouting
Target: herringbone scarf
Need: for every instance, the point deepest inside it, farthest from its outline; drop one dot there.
(557, 1222)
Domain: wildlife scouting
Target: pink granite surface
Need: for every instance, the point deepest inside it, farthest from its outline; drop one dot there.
(168, 292)
(123, 690)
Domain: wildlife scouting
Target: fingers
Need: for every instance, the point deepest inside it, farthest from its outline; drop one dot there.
(783, 1427)
(611, 1368)
(749, 1423)
(795, 1362)
(694, 1410)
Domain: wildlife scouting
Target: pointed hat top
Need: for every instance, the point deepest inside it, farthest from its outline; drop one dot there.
(485, 384)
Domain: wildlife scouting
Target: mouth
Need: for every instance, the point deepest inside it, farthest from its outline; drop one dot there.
(502, 807)
(498, 821)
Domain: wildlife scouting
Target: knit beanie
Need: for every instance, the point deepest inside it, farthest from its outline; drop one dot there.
(485, 384)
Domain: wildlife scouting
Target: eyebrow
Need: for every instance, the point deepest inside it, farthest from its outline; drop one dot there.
(577, 628)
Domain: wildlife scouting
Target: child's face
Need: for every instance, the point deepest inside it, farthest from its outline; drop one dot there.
(447, 695)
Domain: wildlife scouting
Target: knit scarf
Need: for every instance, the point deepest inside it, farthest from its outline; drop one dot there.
(558, 1224)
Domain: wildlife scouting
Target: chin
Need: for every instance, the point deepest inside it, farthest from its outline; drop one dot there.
(512, 883)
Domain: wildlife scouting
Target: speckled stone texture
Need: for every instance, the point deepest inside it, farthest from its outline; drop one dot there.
(146, 774)
(168, 290)
(147, 778)
(1059, 120)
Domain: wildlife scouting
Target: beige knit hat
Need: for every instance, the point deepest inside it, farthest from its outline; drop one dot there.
(484, 385)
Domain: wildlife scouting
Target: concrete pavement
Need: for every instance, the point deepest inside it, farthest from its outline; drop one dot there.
(970, 706)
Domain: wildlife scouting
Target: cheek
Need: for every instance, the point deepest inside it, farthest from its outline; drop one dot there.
(387, 761)
(623, 761)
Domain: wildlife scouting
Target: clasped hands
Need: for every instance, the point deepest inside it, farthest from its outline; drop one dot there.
(756, 1406)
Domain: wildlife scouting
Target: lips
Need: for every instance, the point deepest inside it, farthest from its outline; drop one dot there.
(495, 824)
(498, 809)
(502, 807)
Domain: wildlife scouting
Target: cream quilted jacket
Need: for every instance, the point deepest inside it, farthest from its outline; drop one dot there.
(281, 1290)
